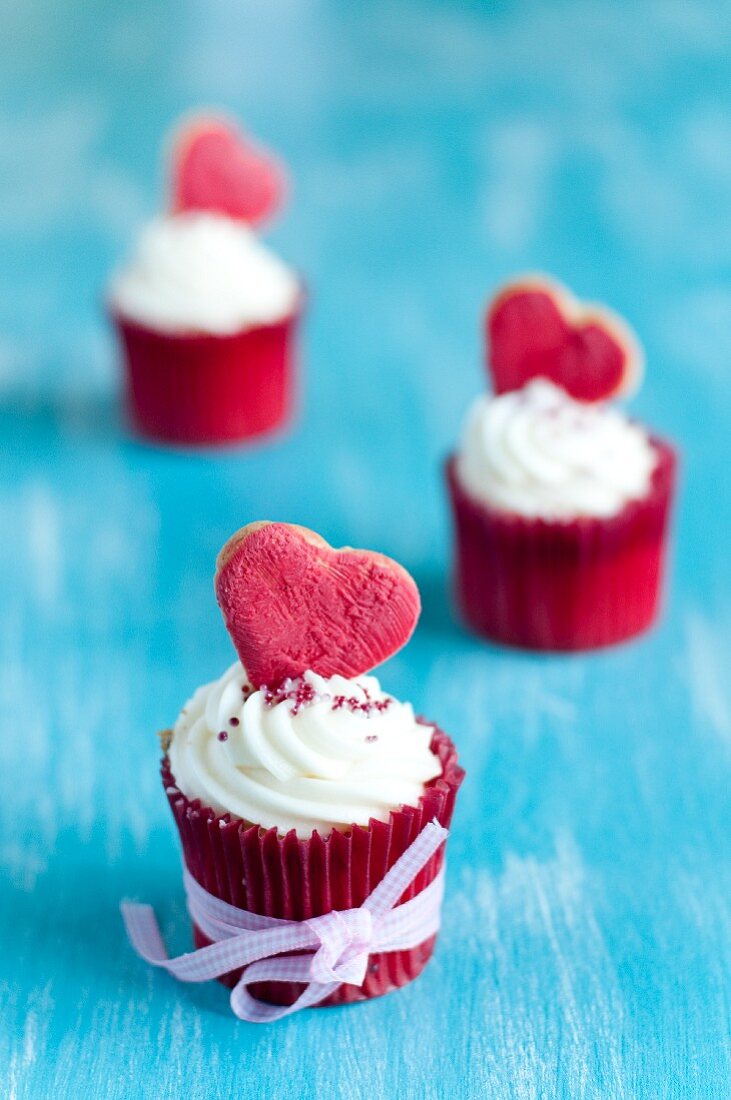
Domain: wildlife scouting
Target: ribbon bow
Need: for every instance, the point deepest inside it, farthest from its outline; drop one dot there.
(333, 948)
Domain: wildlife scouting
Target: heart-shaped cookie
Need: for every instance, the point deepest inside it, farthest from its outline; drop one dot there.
(214, 167)
(292, 603)
(536, 328)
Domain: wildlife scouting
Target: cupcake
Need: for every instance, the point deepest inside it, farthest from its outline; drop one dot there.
(560, 502)
(206, 314)
(297, 784)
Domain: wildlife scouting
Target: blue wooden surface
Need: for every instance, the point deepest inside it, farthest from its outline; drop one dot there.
(436, 148)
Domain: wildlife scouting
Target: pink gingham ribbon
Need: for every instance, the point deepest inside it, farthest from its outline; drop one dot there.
(336, 946)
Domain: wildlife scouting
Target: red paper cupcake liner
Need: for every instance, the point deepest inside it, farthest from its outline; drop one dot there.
(284, 876)
(541, 584)
(197, 388)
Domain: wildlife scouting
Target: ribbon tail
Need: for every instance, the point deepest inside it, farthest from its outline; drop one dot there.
(143, 932)
(284, 968)
(205, 963)
(195, 966)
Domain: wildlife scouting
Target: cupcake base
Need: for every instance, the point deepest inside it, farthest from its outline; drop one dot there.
(196, 388)
(294, 879)
(541, 584)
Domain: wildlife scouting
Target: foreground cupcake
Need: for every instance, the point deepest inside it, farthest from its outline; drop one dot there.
(206, 314)
(302, 792)
(560, 502)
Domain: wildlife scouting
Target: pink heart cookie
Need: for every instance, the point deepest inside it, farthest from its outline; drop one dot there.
(214, 167)
(292, 603)
(536, 328)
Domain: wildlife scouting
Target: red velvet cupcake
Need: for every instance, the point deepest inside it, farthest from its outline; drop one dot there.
(206, 315)
(295, 782)
(561, 504)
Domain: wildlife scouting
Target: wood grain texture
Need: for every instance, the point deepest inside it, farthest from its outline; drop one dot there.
(436, 148)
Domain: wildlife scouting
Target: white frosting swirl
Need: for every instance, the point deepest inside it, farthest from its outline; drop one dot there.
(349, 754)
(203, 273)
(539, 453)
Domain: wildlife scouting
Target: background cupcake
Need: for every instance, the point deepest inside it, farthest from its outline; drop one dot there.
(295, 790)
(560, 502)
(206, 314)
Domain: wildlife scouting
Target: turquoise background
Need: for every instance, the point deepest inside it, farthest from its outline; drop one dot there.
(435, 149)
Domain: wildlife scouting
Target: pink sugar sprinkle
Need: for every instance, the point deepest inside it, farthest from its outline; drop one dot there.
(223, 736)
(356, 707)
(301, 693)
